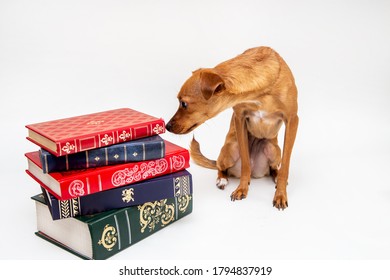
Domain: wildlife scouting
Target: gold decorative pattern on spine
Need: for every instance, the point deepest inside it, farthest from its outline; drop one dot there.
(68, 147)
(64, 209)
(106, 140)
(69, 208)
(128, 195)
(182, 186)
(183, 202)
(158, 129)
(152, 213)
(109, 237)
(125, 136)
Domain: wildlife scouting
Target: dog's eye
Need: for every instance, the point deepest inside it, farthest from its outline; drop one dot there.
(183, 104)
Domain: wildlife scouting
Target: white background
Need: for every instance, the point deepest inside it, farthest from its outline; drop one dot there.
(65, 58)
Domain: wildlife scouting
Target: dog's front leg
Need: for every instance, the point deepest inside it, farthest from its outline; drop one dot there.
(242, 139)
(280, 198)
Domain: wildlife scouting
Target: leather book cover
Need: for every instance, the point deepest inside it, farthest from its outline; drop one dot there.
(75, 134)
(71, 184)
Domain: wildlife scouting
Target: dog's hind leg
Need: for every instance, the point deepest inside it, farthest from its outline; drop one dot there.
(273, 153)
(228, 162)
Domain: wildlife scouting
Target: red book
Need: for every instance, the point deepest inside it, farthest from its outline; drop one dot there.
(81, 133)
(71, 184)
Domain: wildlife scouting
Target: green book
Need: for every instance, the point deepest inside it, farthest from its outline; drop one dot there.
(102, 235)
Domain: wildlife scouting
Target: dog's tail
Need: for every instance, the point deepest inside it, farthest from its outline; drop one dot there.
(199, 158)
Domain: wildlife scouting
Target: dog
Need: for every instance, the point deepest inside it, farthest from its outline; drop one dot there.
(261, 89)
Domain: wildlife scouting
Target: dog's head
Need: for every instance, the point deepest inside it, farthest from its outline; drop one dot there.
(198, 101)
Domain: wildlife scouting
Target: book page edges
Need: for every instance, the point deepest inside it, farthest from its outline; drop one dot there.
(42, 141)
(70, 234)
(36, 173)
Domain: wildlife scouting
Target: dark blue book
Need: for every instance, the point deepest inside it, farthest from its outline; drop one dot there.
(174, 185)
(148, 148)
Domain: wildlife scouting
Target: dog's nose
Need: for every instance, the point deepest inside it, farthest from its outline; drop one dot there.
(168, 126)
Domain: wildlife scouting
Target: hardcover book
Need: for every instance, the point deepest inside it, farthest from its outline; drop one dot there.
(102, 235)
(148, 148)
(70, 184)
(171, 185)
(86, 132)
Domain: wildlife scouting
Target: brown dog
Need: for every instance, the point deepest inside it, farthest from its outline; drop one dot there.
(260, 88)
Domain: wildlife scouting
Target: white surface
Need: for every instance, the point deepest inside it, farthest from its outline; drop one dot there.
(66, 58)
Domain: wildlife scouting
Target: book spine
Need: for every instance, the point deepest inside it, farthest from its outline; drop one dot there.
(72, 146)
(127, 226)
(105, 178)
(172, 185)
(149, 148)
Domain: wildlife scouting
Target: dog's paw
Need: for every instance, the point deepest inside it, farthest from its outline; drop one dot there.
(280, 200)
(239, 194)
(221, 183)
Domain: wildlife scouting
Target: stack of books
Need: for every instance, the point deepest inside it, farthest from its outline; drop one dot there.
(108, 180)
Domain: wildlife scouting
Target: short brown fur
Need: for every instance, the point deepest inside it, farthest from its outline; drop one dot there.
(260, 88)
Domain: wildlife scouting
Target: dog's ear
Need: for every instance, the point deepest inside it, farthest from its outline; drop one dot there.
(197, 70)
(210, 83)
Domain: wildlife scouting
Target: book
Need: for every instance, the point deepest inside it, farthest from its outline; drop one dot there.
(102, 235)
(171, 185)
(91, 131)
(70, 184)
(148, 148)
